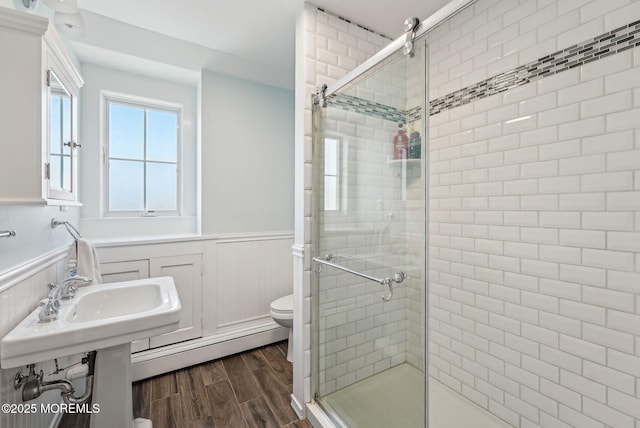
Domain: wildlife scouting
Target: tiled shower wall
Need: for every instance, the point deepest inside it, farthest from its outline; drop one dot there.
(535, 213)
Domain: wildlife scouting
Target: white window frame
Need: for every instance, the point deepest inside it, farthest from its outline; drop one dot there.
(108, 97)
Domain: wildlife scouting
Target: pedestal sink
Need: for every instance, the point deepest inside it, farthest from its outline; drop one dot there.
(105, 318)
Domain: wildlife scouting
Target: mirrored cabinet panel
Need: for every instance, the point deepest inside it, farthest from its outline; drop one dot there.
(59, 135)
(62, 145)
(39, 122)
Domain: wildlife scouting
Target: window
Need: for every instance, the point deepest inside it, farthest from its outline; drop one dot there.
(143, 147)
(331, 174)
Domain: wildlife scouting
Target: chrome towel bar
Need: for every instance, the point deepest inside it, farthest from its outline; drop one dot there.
(397, 277)
(72, 230)
(7, 234)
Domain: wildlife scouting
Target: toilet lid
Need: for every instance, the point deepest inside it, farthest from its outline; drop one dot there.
(283, 304)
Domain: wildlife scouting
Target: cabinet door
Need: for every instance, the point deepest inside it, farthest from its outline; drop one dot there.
(61, 146)
(124, 271)
(187, 273)
(60, 130)
(127, 271)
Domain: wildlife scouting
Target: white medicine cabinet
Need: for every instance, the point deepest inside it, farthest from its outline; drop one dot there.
(38, 114)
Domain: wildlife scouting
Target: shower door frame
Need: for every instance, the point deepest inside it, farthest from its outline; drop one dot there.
(318, 112)
(314, 411)
(428, 24)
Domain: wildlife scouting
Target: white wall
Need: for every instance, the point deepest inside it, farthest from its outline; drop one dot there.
(247, 156)
(34, 235)
(91, 166)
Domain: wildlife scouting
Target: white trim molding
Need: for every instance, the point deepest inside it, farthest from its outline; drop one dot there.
(317, 417)
(299, 340)
(18, 274)
(17, 20)
(173, 357)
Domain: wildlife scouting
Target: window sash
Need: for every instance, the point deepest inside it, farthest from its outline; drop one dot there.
(146, 106)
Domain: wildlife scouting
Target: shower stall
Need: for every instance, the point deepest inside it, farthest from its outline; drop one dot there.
(369, 236)
(519, 150)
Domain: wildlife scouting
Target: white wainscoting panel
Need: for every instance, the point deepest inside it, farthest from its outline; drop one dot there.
(186, 271)
(250, 274)
(232, 279)
(20, 291)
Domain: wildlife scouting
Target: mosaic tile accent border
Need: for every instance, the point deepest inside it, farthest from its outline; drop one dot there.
(413, 114)
(358, 105)
(612, 42)
(353, 23)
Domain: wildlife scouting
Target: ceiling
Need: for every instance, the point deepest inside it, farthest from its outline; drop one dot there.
(251, 39)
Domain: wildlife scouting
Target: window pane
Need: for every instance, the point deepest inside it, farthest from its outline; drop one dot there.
(330, 156)
(161, 186)
(162, 136)
(66, 172)
(330, 193)
(66, 124)
(126, 185)
(54, 125)
(126, 132)
(55, 169)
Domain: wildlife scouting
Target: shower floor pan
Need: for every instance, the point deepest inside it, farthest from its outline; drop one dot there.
(394, 398)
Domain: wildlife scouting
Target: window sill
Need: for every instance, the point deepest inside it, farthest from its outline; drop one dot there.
(138, 228)
(142, 240)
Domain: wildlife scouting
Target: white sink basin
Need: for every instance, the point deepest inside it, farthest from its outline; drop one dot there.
(100, 316)
(116, 302)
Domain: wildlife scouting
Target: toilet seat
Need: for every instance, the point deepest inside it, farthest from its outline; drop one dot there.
(282, 313)
(283, 307)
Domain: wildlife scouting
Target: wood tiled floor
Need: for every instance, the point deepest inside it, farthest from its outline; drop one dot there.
(247, 390)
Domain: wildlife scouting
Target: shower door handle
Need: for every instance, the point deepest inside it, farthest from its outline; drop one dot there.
(397, 277)
(388, 282)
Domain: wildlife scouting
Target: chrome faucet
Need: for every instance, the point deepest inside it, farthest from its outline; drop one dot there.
(70, 286)
(49, 311)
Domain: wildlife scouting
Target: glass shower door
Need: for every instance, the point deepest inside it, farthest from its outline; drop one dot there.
(369, 285)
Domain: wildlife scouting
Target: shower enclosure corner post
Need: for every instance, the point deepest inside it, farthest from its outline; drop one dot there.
(318, 105)
(425, 242)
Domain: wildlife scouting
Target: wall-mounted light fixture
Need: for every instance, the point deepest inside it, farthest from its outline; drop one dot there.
(69, 23)
(67, 17)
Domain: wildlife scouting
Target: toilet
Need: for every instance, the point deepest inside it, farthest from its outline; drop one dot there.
(282, 313)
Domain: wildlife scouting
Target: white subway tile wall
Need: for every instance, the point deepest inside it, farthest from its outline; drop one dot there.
(537, 319)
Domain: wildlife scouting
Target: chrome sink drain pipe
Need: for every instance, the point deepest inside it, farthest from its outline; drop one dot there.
(33, 386)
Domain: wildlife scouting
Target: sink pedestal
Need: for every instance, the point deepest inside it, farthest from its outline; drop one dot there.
(112, 389)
